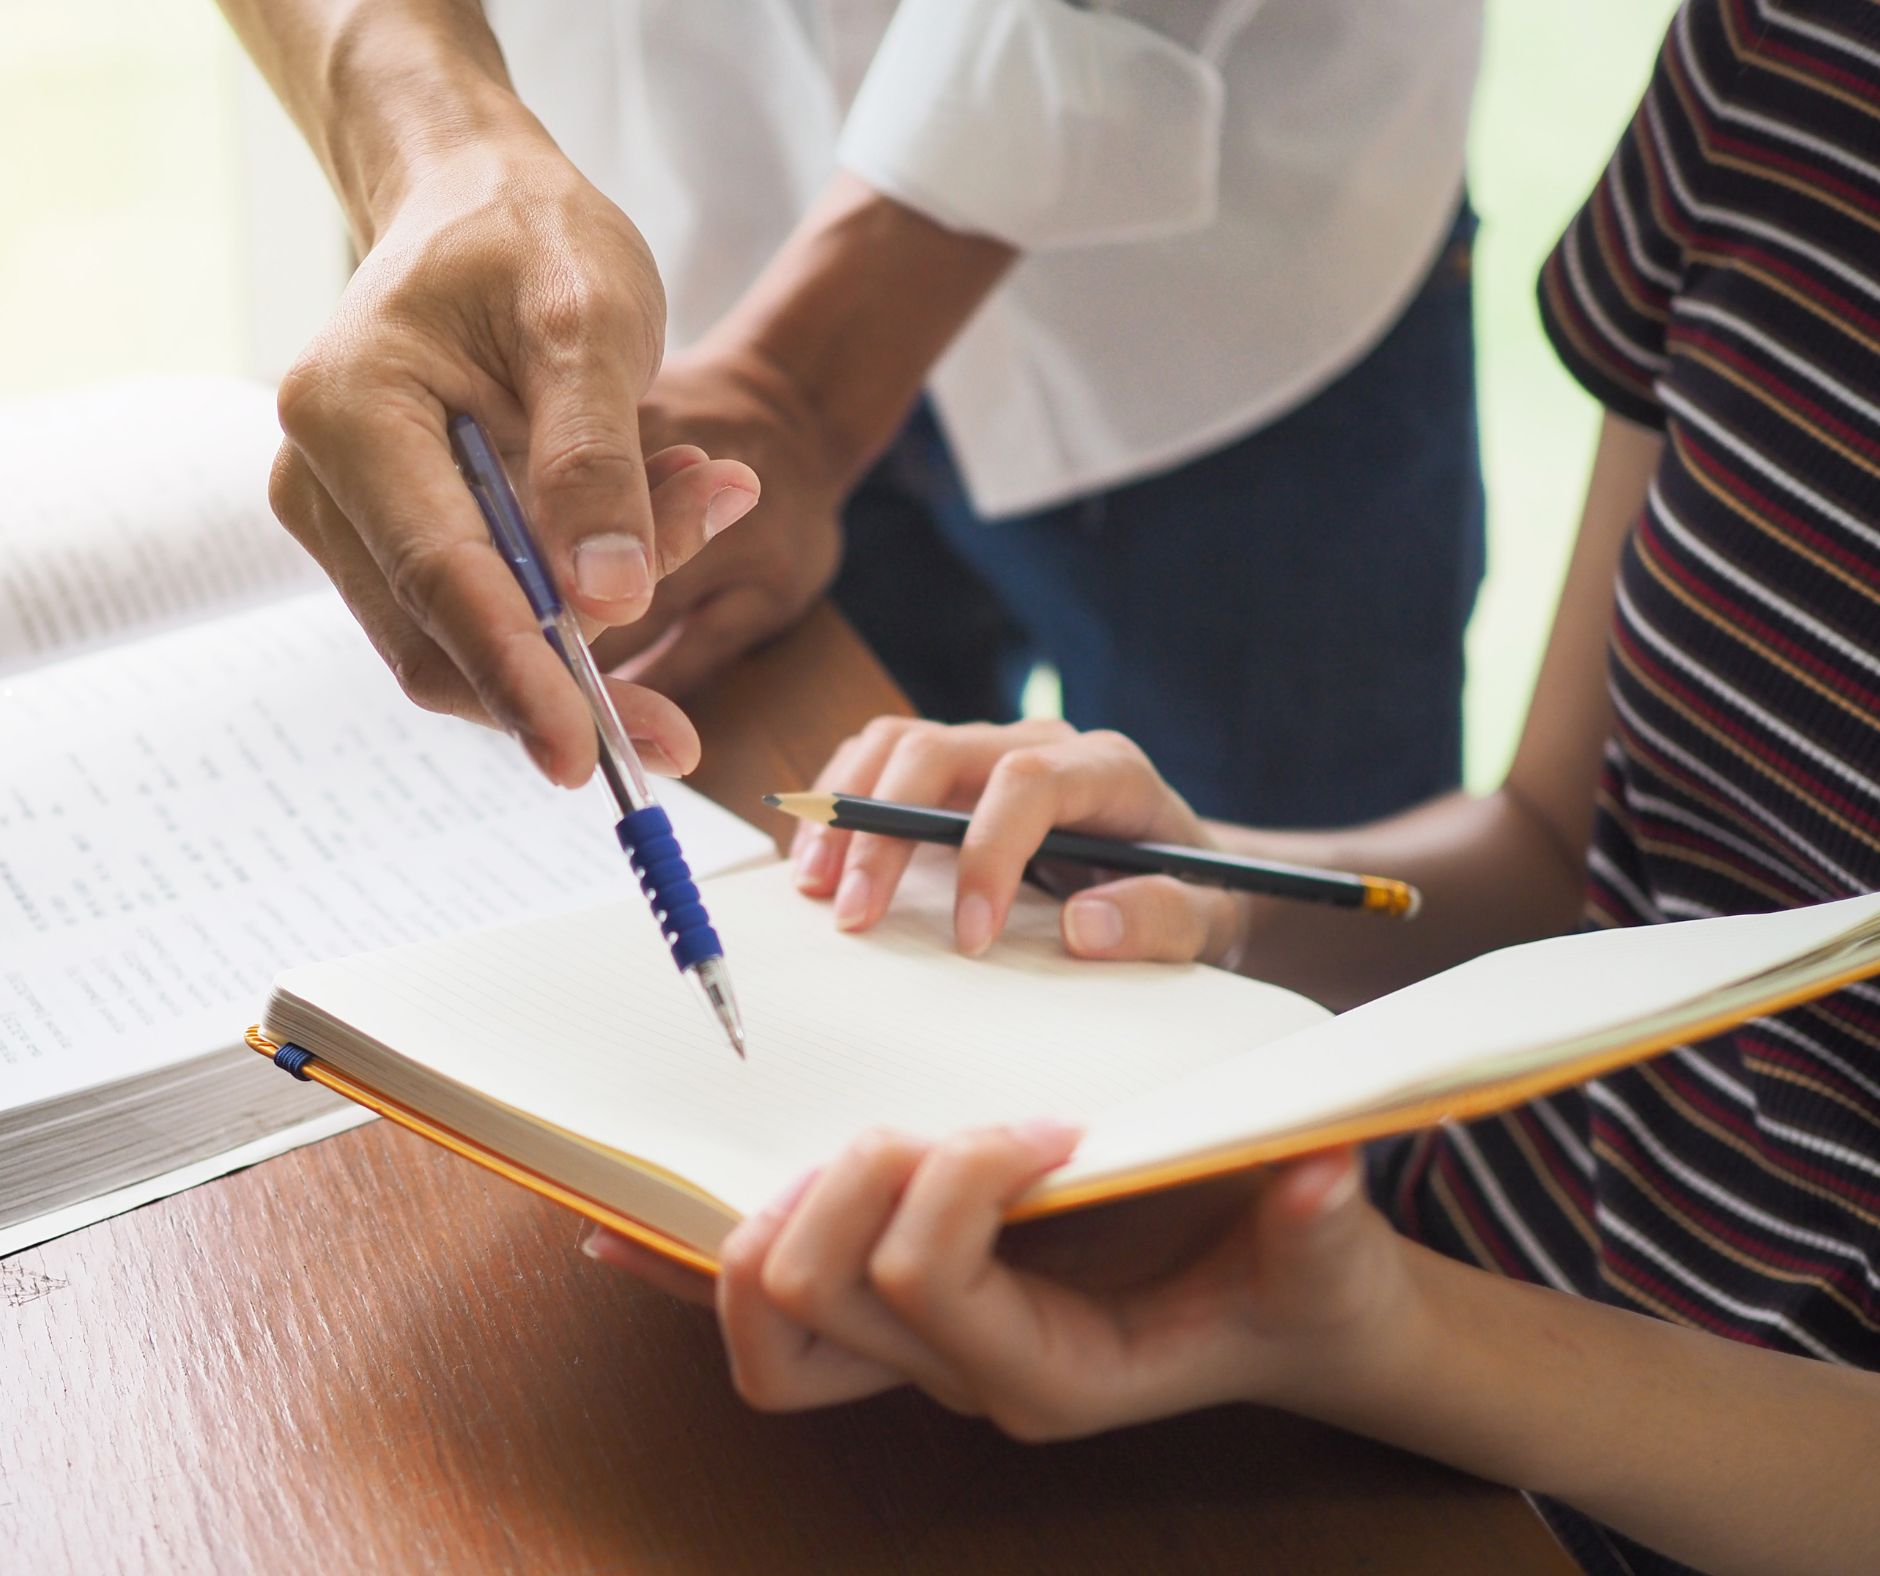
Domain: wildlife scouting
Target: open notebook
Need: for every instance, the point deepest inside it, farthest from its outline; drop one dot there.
(206, 774)
(562, 1053)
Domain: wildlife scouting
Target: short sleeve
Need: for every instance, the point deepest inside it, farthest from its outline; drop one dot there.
(1039, 123)
(1606, 290)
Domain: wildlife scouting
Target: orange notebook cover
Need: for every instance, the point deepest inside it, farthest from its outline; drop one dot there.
(1845, 958)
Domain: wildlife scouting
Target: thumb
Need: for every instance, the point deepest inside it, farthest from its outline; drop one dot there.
(592, 505)
(1153, 918)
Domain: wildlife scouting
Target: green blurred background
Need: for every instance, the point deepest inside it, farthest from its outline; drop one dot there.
(142, 228)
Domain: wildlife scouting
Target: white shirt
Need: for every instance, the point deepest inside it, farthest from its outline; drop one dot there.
(1223, 204)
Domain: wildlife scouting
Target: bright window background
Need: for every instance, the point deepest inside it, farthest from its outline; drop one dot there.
(156, 214)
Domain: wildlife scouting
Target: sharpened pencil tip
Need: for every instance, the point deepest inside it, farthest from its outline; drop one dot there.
(772, 800)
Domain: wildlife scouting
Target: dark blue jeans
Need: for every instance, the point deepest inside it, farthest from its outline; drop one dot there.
(1279, 623)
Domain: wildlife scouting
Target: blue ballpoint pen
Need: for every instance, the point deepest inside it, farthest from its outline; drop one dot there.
(644, 830)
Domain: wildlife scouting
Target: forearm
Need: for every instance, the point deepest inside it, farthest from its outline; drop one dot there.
(1726, 1456)
(380, 88)
(1490, 870)
(852, 312)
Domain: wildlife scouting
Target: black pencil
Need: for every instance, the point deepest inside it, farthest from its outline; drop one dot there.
(1374, 894)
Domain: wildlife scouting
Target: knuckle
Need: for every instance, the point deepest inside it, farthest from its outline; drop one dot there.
(884, 732)
(419, 572)
(794, 1288)
(423, 672)
(303, 402)
(1032, 1420)
(759, 1387)
(741, 1262)
(922, 746)
(507, 669)
(898, 1276)
(592, 457)
(1107, 741)
(567, 310)
(287, 487)
(1026, 768)
(879, 1148)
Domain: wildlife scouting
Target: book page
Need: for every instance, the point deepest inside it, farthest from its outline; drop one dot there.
(1498, 1015)
(181, 818)
(579, 1021)
(134, 507)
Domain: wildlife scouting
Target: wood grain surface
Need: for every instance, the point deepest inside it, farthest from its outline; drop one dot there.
(369, 1356)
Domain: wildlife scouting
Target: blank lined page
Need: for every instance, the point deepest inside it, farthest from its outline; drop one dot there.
(1501, 1014)
(581, 1020)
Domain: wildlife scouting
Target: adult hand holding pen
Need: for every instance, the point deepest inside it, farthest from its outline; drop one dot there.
(498, 281)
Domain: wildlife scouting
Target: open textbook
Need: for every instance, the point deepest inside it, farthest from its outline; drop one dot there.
(206, 774)
(549, 1051)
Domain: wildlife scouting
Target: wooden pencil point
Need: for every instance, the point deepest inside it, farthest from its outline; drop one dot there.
(805, 806)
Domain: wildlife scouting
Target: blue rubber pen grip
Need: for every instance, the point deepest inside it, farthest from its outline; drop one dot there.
(665, 878)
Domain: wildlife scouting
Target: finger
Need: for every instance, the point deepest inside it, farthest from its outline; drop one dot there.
(857, 764)
(708, 638)
(676, 1280)
(662, 733)
(935, 1267)
(422, 668)
(696, 502)
(392, 478)
(1094, 780)
(669, 461)
(593, 505)
(928, 765)
(1150, 917)
(777, 1364)
(815, 1271)
(852, 767)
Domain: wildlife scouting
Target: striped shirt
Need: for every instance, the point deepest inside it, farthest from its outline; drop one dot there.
(1723, 284)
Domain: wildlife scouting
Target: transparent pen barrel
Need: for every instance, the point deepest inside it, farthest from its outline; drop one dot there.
(620, 764)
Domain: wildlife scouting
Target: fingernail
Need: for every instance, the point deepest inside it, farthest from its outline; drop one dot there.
(815, 864)
(852, 900)
(1342, 1191)
(972, 924)
(1047, 1134)
(655, 759)
(1094, 925)
(791, 1196)
(612, 569)
(726, 507)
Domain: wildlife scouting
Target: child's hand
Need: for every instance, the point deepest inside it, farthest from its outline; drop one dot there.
(887, 1267)
(1021, 781)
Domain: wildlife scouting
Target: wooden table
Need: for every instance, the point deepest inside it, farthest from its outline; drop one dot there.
(370, 1356)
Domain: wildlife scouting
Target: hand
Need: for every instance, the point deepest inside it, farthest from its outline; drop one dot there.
(762, 578)
(1020, 781)
(891, 1266)
(504, 285)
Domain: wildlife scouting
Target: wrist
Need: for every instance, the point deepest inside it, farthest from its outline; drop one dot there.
(1372, 1360)
(854, 310)
(404, 99)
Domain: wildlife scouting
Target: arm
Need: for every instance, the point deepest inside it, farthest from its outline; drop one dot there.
(889, 1267)
(494, 279)
(1494, 868)
(806, 380)
(1727, 1457)
(983, 128)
